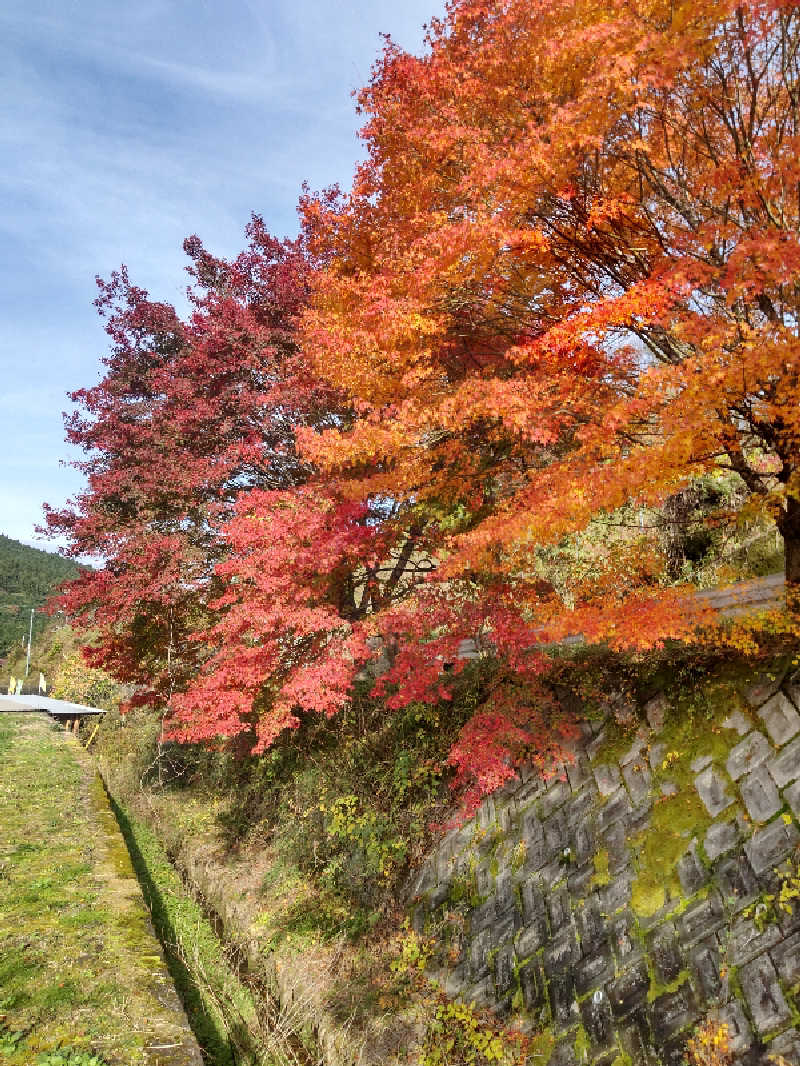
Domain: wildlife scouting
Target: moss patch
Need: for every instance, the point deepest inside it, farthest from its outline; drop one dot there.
(693, 728)
(657, 989)
(583, 1045)
(541, 1047)
(601, 876)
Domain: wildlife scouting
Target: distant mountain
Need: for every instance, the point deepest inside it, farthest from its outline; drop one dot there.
(28, 576)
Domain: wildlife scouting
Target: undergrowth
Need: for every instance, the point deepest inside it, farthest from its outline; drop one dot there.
(341, 809)
(350, 803)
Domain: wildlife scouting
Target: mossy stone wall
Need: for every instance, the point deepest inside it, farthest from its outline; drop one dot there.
(620, 903)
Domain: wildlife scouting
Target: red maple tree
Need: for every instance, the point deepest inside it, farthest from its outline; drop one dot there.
(189, 415)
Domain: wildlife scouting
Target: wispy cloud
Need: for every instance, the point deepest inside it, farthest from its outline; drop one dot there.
(250, 88)
(124, 129)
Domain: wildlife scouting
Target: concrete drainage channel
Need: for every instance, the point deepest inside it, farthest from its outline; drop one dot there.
(231, 1008)
(82, 975)
(182, 1049)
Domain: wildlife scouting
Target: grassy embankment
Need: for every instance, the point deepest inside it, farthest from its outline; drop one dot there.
(81, 976)
(80, 970)
(305, 850)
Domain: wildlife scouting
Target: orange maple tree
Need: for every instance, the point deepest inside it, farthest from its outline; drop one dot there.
(564, 282)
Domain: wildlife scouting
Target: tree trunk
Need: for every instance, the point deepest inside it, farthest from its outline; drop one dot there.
(789, 526)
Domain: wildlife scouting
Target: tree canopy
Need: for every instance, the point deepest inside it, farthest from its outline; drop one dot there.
(562, 289)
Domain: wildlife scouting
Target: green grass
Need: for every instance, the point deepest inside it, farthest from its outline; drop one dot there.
(80, 972)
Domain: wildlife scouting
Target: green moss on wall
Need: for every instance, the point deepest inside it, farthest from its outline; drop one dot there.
(601, 876)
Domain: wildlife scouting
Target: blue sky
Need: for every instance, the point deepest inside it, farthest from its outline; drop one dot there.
(127, 127)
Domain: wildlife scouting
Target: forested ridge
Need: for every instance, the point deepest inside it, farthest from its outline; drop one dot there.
(28, 577)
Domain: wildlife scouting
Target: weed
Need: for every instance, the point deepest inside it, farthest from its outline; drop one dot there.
(10, 1041)
(66, 1057)
(710, 1045)
(457, 1034)
(766, 910)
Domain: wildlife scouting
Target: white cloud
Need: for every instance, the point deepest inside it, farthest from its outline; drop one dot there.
(124, 129)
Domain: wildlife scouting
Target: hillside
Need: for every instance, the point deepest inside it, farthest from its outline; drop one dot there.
(643, 897)
(28, 576)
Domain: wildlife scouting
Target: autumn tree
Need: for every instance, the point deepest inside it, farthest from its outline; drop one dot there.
(564, 283)
(232, 576)
(284, 641)
(561, 290)
(558, 292)
(190, 414)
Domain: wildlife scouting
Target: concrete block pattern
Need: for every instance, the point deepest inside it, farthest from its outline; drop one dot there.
(754, 750)
(559, 930)
(767, 1006)
(760, 795)
(721, 837)
(711, 788)
(780, 718)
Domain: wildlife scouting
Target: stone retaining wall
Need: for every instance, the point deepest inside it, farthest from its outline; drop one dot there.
(620, 904)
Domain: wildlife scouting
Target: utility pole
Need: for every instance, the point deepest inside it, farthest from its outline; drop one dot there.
(30, 637)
